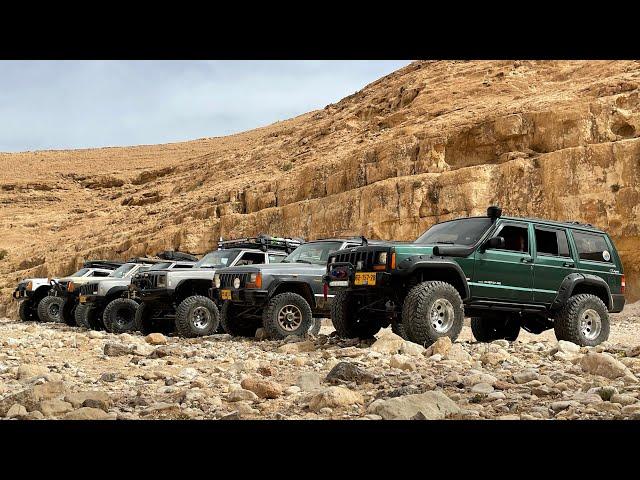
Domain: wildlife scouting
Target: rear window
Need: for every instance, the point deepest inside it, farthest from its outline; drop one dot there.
(592, 246)
(551, 242)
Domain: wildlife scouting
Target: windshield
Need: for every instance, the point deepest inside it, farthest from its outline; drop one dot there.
(217, 259)
(122, 271)
(466, 231)
(313, 253)
(161, 266)
(81, 273)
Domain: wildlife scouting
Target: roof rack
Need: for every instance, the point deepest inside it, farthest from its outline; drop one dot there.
(175, 255)
(574, 222)
(145, 260)
(108, 264)
(262, 242)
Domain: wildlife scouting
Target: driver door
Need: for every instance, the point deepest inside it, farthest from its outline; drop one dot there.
(506, 274)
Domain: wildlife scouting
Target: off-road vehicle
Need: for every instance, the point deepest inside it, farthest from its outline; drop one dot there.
(31, 291)
(506, 273)
(62, 299)
(284, 298)
(104, 302)
(178, 300)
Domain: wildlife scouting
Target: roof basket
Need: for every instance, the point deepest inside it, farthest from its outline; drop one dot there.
(107, 264)
(144, 260)
(174, 255)
(574, 222)
(262, 242)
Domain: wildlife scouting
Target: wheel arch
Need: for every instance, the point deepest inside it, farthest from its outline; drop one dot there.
(577, 283)
(301, 288)
(189, 287)
(443, 270)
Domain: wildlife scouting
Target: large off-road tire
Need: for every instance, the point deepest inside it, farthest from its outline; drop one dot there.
(197, 316)
(50, 309)
(119, 315)
(235, 324)
(87, 316)
(432, 310)
(68, 313)
(398, 329)
(287, 314)
(584, 320)
(27, 312)
(142, 319)
(488, 329)
(347, 322)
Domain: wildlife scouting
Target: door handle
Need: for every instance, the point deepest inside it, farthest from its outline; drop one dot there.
(569, 264)
(526, 259)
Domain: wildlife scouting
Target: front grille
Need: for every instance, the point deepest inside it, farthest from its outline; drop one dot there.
(226, 279)
(368, 257)
(89, 289)
(146, 281)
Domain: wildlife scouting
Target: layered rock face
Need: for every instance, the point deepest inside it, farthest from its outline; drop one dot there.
(430, 142)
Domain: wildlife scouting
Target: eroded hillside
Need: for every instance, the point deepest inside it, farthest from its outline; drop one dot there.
(432, 141)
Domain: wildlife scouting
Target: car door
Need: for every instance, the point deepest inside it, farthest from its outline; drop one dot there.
(552, 262)
(250, 258)
(505, 274)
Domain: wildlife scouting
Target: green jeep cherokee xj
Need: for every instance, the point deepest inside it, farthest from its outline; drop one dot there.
(505, 273)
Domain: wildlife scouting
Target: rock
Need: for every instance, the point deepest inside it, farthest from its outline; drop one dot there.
(388, 342)
(244, 409)
(241, 395)
(496, 396)
(156, 339)
(292, 390)
(261, 334)
(95, 334)
(142, 349)
(525, 376)
(345, 372)
(262, 388)
(16, 411)
(78, 399)
(605, 393)
(604, 365)
(35, 415)
(26, 371)
(623, 399)
(474, 377)
(403, 362)
(440, 347)
(631, 409)
(325, 411)
(433, 405)
(413, 349)
(110, 377)
(116, 350)
(457, 353)
(88, 413)
(266, 371)
(633, 351)
(494, 358)
(560, 406)
(297, 347)
(501, 343)
(188, 373)
(54, 408)
(246, 366)
(568, 347)
(308, 381)
(483, 388)
(334, 397)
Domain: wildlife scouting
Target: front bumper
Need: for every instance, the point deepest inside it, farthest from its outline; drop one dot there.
(93, 299)
(618, 301)
(151, 294)
(246, 296)
(342, 276)
(21, 294)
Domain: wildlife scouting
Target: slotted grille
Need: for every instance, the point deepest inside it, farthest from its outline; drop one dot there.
(146, 282)
(368, 258)
(226, 279)
(88, 288)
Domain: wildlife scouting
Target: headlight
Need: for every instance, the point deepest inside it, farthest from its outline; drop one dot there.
(162, 281)
(382, 258)
(255, 280)
(70, 287)
(216, 280)
(236, 283)
(332, 260)
(29, 285)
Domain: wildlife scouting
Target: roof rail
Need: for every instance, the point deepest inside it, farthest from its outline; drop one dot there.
(113, 264)
(574, 222)
(175, 255)
(262, 242)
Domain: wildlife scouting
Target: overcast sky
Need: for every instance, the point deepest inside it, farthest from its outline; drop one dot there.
(79, 104)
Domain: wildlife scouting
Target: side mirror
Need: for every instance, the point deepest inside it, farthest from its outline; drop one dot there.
(494, 242)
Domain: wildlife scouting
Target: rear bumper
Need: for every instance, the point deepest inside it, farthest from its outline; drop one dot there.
(618, 302)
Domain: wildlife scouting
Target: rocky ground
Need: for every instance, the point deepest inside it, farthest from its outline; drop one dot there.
(56, 371)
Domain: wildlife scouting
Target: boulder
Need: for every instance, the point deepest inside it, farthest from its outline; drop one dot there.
(309, 381)
(262, 388)
(388, 342)
(334, 397)
(604, 365)
(433, 405)
(88, 413)
(116, 350)
(54, 408)
(156, 339)
(403, 362)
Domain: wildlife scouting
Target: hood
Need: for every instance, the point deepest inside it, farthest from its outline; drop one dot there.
(270, 267)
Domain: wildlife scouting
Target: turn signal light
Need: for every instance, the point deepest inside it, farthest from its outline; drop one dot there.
(255, 281)
(623, 284)
(393, 260)
(70, 287)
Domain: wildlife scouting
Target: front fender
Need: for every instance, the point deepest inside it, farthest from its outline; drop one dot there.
(411, 265)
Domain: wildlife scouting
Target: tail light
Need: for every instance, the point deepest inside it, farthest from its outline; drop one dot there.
(623, 284)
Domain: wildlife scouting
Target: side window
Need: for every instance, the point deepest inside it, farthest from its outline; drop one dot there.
(100, 274)
(516, 238)
(592, 246)
(250, 258)
(275, 258)
(551, 242)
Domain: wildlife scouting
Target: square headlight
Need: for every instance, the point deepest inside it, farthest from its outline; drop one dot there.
(382, 258)
(216, 280)
(162, 281)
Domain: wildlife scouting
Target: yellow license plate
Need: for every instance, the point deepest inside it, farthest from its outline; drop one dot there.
(365, 278)
(225, 294)
(83, 298)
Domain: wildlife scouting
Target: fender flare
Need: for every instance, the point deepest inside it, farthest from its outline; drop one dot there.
(185, 281)
(410, 265)
(115, 292)
(305, 285)
(572, 280)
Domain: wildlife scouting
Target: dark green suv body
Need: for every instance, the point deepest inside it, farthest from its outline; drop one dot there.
(503, 272)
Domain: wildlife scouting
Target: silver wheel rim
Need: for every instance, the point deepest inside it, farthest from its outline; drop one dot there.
(441, 315)
(290, 318)
(54, 310)
(590, 324)
(201, 317)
